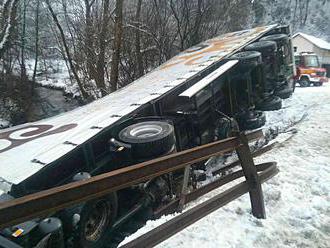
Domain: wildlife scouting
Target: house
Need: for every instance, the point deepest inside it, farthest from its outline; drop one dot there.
(308, 43)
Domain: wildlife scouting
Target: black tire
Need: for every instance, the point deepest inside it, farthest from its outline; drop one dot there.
(248, 59)
(96, 218)
(280, 39)
(279, 84)
(262, 46)
(149, 139)
(270, 104)
(318, 84)
(284, 93)
(304, 82)
(292, 85)
(251, 120)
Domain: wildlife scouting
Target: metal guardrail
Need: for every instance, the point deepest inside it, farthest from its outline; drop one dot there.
(49, 201)
(180, 222)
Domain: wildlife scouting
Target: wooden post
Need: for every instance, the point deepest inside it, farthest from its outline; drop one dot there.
(252, 178)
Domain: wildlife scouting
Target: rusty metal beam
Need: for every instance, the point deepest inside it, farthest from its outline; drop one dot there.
(254, 154)
(49, 201)
(254, 135)
(192, 196)
(178, 223)
(173, 226)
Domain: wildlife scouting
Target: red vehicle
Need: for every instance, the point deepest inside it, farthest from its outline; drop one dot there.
(309, 70)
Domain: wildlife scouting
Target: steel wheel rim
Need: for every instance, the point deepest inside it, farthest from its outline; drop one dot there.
(97, 221)
(146, 131)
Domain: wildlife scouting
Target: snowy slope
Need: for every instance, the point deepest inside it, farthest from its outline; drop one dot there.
(284, 11)
(297, 199)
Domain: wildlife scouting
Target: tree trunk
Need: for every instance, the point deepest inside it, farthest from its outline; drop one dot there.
(23, 68)
(36, 45)
(117, 45)
(89, 44)
(101, 57)
(67, 51)
(7, 25)
(196, 30)
(139, 61)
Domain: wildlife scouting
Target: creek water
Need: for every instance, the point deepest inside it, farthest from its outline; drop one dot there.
(50, 102)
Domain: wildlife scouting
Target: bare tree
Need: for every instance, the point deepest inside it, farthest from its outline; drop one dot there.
(7, 24)
(67, 50)
(36, 44)
(118, 32)
(139, 61)
(89, 44)
(102, 45)
(23, 43)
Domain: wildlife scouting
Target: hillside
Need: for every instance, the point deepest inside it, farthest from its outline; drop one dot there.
(308, 16)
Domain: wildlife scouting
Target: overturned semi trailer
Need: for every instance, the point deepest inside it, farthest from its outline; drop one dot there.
(199, 96)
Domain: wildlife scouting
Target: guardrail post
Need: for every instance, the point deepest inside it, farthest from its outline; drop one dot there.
(252, 178)
(184, 190)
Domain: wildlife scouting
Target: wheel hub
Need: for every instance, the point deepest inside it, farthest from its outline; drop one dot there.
(97, 221)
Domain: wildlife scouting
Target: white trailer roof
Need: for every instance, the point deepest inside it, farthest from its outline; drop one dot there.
(27, 148)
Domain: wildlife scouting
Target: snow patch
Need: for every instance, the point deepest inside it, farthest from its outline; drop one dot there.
(54, 74)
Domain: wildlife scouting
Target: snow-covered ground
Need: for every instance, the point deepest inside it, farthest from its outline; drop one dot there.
(54, 74)
(297, 199)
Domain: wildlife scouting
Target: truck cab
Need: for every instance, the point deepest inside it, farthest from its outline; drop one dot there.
(309, 70)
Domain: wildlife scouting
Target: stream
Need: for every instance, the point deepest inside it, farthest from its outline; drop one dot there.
(50, 102)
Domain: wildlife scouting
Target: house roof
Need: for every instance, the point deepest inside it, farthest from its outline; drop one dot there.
(316, 41)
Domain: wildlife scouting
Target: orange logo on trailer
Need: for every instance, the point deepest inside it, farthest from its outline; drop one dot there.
(224, 44)
(20, 136)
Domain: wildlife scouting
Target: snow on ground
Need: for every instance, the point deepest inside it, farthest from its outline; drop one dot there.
(54, 74)
(297, 199)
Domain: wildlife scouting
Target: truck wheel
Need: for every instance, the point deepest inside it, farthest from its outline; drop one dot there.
(222, 129)
(278, 38)
(96, 218)
(149, 139)
(292, 85)
(284, 93)
(251, 120)
(270, 104)
(262, 46)
(318, 84)
(248, 59)
(304, 82)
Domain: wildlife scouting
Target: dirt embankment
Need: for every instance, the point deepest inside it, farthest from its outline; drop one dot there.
(15, 99)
